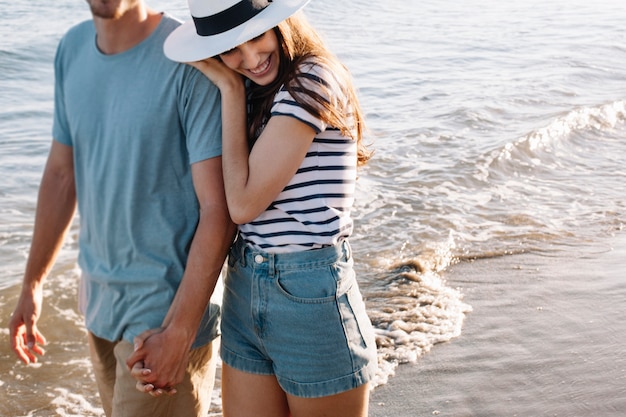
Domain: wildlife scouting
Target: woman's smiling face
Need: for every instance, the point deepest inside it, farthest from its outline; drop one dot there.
(257, 59)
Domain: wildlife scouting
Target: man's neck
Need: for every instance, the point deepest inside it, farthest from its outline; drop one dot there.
(122, 33)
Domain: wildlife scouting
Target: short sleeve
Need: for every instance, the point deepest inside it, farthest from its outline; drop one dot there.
(201, 116)
(314, 77)
(60, 130)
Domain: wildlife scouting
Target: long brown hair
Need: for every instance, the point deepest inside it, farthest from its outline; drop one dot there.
(301, 43)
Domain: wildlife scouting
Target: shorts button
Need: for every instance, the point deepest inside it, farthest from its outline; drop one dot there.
(258, 259)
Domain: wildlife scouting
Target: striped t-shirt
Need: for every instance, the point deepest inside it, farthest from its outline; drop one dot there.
(313, 210)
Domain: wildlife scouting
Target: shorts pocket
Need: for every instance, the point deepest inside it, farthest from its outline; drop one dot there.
(321, 284)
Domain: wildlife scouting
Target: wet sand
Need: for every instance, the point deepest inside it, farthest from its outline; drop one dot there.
(547, 337)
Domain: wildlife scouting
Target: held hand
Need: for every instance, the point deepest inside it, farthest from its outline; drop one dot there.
(26, 340)
(140, 373)
(159, 361)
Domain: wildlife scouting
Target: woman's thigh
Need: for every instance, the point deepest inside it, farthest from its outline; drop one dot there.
(352, 403)
(245, 395)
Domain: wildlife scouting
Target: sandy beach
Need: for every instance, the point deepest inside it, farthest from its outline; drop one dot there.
(557, 348)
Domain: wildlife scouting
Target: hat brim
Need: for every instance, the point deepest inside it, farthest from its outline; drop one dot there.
(185, 45)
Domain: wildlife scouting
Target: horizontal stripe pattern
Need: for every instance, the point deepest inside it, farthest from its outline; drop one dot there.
(313, 210)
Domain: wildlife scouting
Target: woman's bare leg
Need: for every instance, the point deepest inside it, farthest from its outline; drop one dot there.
(245, 395)
(353, 403)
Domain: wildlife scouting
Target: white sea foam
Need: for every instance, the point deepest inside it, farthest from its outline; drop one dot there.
(418, 312)
(69, 404)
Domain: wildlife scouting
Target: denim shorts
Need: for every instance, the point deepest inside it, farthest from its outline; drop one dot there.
(299, 316)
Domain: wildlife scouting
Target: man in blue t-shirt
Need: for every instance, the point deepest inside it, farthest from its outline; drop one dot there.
(137, 147)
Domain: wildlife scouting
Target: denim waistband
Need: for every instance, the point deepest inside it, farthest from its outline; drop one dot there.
(248, 255)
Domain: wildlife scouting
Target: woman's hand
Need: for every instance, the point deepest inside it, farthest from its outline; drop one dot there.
(140, 373)
(223, 77)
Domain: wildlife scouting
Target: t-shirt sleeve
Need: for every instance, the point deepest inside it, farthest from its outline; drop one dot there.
(201, 116)
(314, 77)
(60, 130)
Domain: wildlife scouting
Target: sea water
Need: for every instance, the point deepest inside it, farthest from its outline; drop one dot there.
(498, 128)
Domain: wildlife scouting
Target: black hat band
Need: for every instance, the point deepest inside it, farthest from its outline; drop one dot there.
(227, 19)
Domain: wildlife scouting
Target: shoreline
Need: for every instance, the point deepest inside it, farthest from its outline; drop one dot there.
(545, 339)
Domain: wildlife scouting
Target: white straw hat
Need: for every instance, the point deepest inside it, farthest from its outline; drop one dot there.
(220, 25)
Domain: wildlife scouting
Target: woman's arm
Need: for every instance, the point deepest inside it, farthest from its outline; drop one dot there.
(253, 179)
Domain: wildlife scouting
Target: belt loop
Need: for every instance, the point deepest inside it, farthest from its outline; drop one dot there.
(347, 249)
(270, 262)
(243, 246)
(233, 256)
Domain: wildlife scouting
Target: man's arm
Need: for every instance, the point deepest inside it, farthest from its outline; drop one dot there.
(56, 205)
(166, 353)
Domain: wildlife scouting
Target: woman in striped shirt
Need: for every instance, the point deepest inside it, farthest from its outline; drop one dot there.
(296, 339)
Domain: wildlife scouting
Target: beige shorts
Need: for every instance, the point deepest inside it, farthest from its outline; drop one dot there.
(120, 398)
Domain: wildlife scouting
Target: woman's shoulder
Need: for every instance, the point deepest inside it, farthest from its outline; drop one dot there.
(315, 67)
(323, 76)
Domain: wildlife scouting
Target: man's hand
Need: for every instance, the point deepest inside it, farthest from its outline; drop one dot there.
(26, 340)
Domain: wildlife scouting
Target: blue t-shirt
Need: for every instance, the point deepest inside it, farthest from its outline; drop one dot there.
(136, 122)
